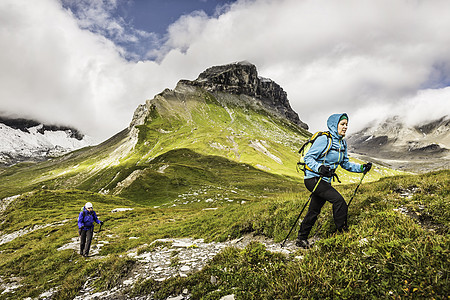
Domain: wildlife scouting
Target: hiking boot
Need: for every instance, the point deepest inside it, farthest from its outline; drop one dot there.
(302, 244)
(343, 229)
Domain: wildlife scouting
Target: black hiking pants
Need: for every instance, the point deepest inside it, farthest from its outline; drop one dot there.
(85, 241)
(324, 192)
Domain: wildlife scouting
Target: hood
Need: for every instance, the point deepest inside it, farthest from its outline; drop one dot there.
(332, 123)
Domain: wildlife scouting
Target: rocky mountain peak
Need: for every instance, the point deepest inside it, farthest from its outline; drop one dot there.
(441, 125)
(237, 78)
(242, 78)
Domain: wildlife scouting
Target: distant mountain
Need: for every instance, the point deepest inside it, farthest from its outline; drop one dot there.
(420, 148)
(28, 140)
(218, 132)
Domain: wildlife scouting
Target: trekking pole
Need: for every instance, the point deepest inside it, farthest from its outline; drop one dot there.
(100, 229)
(304, 206)
(354, 193)
(70, 259)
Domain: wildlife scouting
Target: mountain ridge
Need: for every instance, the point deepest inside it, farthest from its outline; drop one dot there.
(242, 78)
(418, 148)
(158, 154)
(32, 141)
(25, 125)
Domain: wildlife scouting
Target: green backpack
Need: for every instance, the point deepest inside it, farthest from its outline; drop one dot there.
(301, 165)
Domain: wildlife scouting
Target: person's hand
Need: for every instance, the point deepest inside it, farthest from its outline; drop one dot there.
(325, 171)
(101, 222)
(366, 167)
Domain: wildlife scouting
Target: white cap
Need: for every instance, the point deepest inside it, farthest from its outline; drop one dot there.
(88, 205)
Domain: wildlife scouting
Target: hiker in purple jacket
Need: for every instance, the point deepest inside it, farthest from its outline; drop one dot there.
(86, 221)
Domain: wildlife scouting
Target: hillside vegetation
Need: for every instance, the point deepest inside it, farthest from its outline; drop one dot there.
(217, 166)
(397, 246)
(221, 126)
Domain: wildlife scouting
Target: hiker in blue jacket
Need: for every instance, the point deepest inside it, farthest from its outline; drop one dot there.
(86, 221)
(320, 166)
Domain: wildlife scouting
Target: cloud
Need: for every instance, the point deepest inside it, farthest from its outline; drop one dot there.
(56, 72)
(425, 105)
(97, 16)
(367, 58)
(330, 56)
(100, 17)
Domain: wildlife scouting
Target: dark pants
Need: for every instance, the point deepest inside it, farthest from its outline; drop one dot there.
(324, 192)
(85, 241)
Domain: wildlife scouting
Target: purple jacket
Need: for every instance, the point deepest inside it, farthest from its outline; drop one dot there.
(86, 219)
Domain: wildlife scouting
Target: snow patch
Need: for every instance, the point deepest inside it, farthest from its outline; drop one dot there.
(262, 167)
(35, 144)
(160, 130)
(121, 209)
(261, 147)
(6, 201)
(230, 112)
(217, 146)
(162, 169)
(127, 181)
(264, 79)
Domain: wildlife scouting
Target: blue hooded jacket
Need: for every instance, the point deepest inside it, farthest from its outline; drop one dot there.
(336, 156)
(87, 219)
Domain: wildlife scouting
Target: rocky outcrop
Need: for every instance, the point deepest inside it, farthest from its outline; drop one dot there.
(169, 258)
(242, 79)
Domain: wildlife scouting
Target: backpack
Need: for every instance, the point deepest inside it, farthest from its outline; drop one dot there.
(84, 215)
(301, 165)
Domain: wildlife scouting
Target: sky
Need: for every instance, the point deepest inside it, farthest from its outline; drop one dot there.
(90, 63)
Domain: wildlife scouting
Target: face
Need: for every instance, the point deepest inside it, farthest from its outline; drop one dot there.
(90, 208)
(342, 127)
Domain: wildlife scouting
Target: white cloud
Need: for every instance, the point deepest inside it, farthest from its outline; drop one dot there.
(56, 72)
(425, 105)
(331, 56)
(51, 69)
(98, 16)
(367, 58)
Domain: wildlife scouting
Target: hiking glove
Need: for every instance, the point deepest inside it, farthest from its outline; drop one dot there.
(325, 171)
(101, 222)
(366, 167)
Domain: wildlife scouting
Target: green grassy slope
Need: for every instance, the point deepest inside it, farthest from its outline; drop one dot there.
(387, 252)
(196, 150)
(132, 162)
